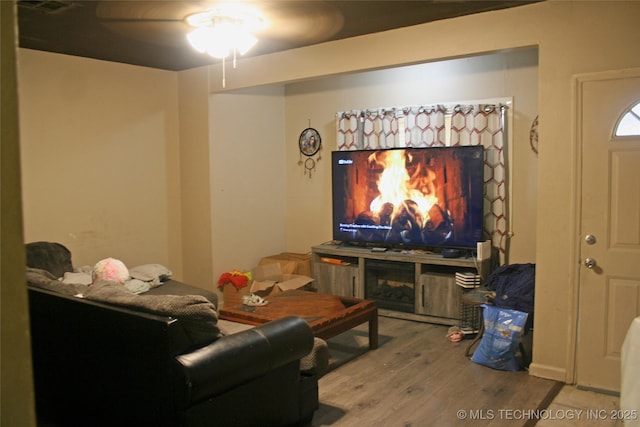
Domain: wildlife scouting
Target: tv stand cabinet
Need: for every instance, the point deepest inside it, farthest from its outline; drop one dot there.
(345, 270)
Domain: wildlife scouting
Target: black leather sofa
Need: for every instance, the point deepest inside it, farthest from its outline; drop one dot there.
(97, 364)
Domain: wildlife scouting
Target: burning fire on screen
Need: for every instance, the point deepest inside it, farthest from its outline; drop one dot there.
(406, 207)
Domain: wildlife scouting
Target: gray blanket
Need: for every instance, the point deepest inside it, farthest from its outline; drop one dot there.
(197, 315)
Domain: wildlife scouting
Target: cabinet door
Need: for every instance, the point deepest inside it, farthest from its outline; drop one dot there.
(438, 295)
(337, 279)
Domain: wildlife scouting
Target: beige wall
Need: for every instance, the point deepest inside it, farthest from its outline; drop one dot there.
(294, 214)
(92, 110)
(572, 37)
(603, 37)
(193, 213)
(248, 177)
(100, 158)
(488, 77)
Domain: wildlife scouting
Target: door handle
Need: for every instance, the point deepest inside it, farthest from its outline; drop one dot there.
(590, 263)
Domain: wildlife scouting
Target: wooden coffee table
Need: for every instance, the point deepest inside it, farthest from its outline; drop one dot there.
(328, 315)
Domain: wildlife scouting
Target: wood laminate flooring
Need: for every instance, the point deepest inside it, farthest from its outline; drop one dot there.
(418, 378)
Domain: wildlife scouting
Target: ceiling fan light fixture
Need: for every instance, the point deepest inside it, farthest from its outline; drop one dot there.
(224, 29)
(198, 39)
(220, 43)
(245, 42)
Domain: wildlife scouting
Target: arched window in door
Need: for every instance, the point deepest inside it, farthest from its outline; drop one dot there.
(629, 123)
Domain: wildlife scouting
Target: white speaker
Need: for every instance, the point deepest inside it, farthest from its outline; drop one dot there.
(484, 250)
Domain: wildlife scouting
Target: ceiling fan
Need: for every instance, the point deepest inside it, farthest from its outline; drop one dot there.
(166, 22)
(222, 29)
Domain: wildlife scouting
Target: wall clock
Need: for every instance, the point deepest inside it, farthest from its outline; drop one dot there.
(309, 144)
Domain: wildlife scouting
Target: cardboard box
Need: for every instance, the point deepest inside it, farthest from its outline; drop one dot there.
(268, 279)
(290, 263)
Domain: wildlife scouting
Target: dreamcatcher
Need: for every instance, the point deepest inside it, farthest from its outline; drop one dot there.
(309, 144)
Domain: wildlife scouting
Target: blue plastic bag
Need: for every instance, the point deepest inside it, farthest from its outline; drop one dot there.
(499, 343)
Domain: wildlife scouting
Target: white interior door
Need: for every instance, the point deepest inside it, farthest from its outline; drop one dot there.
(610, 227)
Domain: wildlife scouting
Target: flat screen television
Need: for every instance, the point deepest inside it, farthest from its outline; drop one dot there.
(425, 198)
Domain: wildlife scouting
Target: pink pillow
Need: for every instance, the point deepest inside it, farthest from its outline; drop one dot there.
(110, 269)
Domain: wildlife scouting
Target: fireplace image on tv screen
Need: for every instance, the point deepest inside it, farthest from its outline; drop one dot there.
(409, 197)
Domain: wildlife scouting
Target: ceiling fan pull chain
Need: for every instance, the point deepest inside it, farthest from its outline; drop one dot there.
(224, 76)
